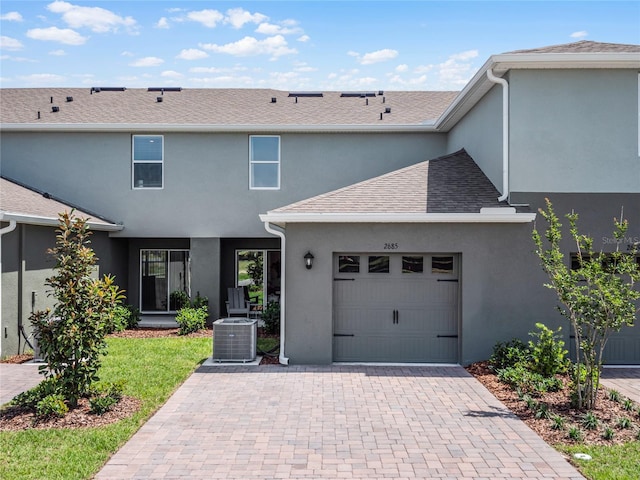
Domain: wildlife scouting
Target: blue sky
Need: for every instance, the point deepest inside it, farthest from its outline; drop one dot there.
(288, 45)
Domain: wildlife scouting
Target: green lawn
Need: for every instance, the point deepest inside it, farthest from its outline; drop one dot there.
(607, 463)
(152, 368)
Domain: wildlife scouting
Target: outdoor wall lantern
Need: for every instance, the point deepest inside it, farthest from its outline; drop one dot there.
(308, 260)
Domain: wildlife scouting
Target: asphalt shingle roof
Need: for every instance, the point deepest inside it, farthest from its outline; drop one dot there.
(449, 184)
(20, 200)
(585, 46)
(218, 107)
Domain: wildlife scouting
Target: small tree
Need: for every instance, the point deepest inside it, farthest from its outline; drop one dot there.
(72, 337)
(598, 296)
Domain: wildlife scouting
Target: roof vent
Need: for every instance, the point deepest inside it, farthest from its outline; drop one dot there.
(38, 114)
(274, 99)
(387, 110)
(380, 92)
(108, 89)
(306, 94)
(69, 99)
(164, 89)
(55, 109)
(159, 99)
(358, 94)
(51, 100)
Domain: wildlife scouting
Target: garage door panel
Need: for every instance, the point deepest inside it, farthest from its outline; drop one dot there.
(396, 316)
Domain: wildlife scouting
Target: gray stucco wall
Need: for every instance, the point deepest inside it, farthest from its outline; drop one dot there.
(501, 283)
(574, 131)
(480, 133)
(206, 192)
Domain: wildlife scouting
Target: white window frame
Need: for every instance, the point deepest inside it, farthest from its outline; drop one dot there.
(252, 162)
(135, 162)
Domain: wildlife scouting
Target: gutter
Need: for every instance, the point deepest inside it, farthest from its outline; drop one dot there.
(486, 215)
(54, 222)
(505, 133)
(280, 233)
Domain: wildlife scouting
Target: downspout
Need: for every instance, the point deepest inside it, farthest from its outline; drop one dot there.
(280, 233)
(505, 133)
(9, 228)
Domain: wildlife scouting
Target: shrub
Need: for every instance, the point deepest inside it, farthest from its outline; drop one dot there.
(30, 398)
(125, 317)
(557, 422)
(608, 433)
(508, 354)
(521, 378)
(51, 406)
(271, 318)
(575, 433)
(624, 422)
(590, 421)
(547, 355)
(542, 411)
(101, 405)
(200, 301)
(614, 396)
(179, 299)
(628, 404)
(191, 319)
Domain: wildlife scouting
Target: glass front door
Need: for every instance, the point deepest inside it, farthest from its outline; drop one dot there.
(259, 271)
(165, 280)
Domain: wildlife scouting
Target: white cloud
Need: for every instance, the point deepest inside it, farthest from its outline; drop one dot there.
(17, 59)
(55, 34)
(208, 18)
(304, 38)
(402, 68)
(452, 74)
(171, 74)
(58, 53)
(237, 17)
(162, 23)
(11, 17)
(378, 56)
(9, 43)
(147, 62)
(238, 68)
(226, 81)
(127, 54)
(42, 79)
(351, 53)
(272, 29)
(99, 20)
(192, 54)
(249, 46)
(580, 34)
(464, 56)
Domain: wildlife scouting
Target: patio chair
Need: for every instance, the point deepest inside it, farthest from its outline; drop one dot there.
(237, 302)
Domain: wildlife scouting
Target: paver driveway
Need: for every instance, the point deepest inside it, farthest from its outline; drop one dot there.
(361, 422)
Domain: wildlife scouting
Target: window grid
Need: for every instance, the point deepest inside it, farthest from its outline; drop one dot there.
(147, 171)
(264, 162)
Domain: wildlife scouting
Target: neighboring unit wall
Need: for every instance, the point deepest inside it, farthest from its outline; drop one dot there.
(25, 267)
(574, 131)
(499, 273)
(206, 175)
(480, 134)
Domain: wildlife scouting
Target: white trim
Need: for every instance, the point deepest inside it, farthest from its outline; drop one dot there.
(135, 162)
(283, 218)
(54, 222)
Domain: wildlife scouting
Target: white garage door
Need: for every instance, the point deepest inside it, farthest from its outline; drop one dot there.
(395, 308)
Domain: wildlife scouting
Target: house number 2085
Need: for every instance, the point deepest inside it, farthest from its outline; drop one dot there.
(390, 246)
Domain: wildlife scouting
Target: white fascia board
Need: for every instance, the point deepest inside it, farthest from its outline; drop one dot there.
(284, 218)
(479, 85)
(198, 128)
(54, 222)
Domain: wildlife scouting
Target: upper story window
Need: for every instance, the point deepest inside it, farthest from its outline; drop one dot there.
(148, 161)
(264, 162)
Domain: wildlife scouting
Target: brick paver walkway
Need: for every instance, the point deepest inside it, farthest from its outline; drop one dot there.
(335, 422)
(17, 378)
(624, 380)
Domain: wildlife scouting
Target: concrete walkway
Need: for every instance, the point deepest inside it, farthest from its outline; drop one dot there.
(16, 378)
(623, 379)
(332, 422)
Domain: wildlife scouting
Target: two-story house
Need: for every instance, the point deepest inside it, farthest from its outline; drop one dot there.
(417, 207)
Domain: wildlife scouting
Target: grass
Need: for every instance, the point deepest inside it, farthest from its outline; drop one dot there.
(153, 369)
(618, 462)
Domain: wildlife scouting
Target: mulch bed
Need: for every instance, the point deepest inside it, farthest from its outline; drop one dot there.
(607, 411)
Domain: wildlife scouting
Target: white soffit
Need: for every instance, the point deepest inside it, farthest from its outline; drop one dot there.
(487, 217)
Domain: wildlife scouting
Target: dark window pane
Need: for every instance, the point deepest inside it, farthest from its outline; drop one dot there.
(412, 264)
(349, 263)
(147, 175)
(379, 264)
(442, 265)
